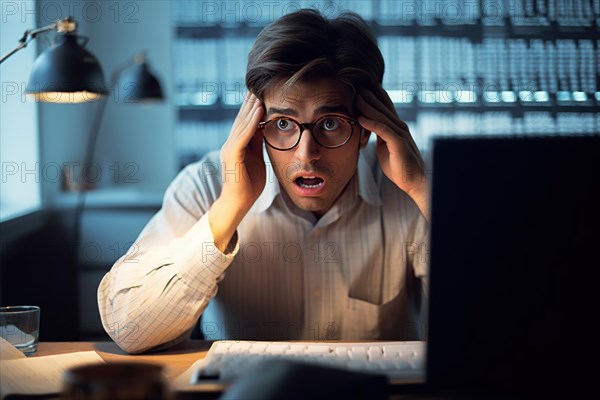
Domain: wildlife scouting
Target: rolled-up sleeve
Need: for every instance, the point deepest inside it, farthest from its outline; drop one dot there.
(153, 295)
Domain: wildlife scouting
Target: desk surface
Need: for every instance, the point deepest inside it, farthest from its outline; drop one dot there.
(176, 360)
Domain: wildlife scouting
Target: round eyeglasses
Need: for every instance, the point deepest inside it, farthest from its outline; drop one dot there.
(329, 131)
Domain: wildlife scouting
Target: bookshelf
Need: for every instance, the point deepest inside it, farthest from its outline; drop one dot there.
(467, 67)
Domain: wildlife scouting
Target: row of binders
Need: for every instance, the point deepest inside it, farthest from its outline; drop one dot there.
(209, 71)
(492, 65)
(569, 13)
(430, 124)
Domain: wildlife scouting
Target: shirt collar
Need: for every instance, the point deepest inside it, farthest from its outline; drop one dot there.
(367, 187)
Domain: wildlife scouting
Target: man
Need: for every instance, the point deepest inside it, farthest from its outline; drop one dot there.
(301, 228)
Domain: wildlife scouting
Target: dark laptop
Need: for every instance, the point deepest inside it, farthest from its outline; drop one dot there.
(514, 255)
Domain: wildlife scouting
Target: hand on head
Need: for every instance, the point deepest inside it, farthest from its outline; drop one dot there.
(398, 155)
(397, 152)
(243, 166)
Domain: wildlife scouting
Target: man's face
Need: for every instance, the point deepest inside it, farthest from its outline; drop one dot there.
(313, 176)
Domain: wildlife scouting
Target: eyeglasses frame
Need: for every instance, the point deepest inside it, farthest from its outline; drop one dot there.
(309, 126)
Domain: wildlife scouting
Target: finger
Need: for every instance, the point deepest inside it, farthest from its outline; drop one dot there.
(382, 102)
(258, 112)
(244, 120)
(374, 114)
(388, 110)
(252, 104)
(247, 108)
(245, 104)
(396, 125)
(245, 125)
(380, 128)
(383, 95)
(387, 134)
(251, 120)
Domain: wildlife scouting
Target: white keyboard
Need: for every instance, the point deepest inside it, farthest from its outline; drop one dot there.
(401, 362)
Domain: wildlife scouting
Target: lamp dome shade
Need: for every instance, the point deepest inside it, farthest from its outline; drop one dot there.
(66, 73)
(138, 84)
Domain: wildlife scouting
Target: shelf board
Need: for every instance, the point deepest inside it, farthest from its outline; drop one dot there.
(474, 31)
(217, 31)
(115, 198)
(406, 110)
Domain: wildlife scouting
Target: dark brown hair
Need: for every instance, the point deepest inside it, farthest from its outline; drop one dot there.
(305, 45)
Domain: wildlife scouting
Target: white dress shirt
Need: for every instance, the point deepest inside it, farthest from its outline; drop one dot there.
(358, 272)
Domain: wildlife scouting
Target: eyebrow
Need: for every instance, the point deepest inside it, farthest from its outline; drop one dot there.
(283, 111)
(325, 109)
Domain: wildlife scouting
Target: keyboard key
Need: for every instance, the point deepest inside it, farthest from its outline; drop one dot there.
(358, 355)
(317, 349)
(341, 351)
(277, 348)
(257, 348)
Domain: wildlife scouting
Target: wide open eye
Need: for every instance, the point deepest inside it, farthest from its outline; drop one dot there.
(330, 124)
(284, 125)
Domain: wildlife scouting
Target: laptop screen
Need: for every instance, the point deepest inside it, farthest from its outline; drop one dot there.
(515, 230)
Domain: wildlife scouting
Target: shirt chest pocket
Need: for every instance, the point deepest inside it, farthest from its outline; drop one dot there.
(392, 320)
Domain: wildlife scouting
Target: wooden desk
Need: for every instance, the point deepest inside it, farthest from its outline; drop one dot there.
(175, 360)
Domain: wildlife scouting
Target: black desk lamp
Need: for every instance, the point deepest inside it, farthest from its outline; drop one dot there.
(65, 72)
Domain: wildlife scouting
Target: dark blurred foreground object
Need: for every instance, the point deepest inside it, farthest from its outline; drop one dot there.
(116, 381)
(515, 226)
(278, 379)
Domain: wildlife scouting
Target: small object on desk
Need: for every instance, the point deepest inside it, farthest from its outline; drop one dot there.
(120, 380)
(8, 351)
(399, 361)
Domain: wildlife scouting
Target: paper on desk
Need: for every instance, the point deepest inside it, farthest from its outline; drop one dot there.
(40, 375)
(8, 351)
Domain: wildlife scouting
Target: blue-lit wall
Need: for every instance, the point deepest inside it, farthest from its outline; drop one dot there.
(134, 158)
(134, 149)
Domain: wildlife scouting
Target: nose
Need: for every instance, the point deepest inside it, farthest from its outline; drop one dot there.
(307, 149)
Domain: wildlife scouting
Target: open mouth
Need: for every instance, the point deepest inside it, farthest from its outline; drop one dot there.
(308, 182)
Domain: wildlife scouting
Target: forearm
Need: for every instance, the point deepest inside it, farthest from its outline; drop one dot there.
(156, 313)
(158, 296)
(421, 198)
(224, 217)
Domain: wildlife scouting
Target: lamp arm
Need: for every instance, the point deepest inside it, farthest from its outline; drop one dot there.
(89, 157)
(13, 51)
(65, 25)
(23, 42)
